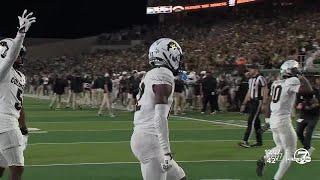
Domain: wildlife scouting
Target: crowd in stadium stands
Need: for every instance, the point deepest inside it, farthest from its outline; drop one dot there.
(219, 49)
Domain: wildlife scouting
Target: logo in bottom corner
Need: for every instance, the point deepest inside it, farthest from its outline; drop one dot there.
(302, 156)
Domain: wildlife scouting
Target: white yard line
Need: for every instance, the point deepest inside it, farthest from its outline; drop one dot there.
(89, 130)
(135, 162)
(219, 179)
(102, 121)
(77, 122)
(106, 130)
(119, 142)
(212, 121)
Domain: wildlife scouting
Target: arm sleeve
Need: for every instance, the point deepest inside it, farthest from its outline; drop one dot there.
(293, 84)
(161, 125)
(13, 52)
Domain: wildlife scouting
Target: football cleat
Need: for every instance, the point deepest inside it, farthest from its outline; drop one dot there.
(244, 144)
(256, 145)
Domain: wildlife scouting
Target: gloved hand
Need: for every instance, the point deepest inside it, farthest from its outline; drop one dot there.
(167, 164)
(25, 21)
(25, 142)
(24, 132)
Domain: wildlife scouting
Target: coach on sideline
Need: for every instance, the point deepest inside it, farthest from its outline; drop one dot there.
(254, 101)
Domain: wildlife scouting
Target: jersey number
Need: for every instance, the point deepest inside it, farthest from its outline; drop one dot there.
(276, 92)
(141, 92)
(18, 105)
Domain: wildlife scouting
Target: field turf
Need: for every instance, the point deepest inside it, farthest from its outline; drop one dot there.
(79, 145)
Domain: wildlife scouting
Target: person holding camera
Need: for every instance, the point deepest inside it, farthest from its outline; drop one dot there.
(308, 105)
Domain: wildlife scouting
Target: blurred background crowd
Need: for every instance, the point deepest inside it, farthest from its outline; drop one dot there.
(217, 47)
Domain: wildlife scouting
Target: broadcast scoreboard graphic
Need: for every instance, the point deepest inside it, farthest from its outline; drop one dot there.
(175, 6)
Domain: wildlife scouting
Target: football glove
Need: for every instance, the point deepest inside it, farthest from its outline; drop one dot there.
(24, 132)
(167, 164)
(24, 142)
(25, 21)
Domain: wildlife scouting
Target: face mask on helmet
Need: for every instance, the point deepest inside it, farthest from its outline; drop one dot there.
(166, 52)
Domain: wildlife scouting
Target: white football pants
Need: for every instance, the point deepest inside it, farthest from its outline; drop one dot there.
(285, 139)
(147, 150)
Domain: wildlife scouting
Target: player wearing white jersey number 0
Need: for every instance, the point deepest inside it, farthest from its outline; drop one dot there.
(13, 130)
(283, 96)
(150, 139)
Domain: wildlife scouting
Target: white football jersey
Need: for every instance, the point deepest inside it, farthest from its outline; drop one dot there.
(144, 115)
(11, 98)
(283, 93)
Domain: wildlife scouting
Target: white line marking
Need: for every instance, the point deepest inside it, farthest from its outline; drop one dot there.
(38, 132)
(211, 121)
(219, 179)
(73, 122)
(73, 143)
(89, 130)
(119, 142)
(102, 121)
(135, 162)
(106, 130)
(33, 129)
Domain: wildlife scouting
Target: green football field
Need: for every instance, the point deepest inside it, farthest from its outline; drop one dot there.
(79, 145)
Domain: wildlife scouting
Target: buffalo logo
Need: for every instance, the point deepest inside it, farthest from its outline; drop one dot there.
(172, 45)
(5, 45)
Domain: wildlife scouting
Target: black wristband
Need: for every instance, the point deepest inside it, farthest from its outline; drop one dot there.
(169, 154)
(24, 131)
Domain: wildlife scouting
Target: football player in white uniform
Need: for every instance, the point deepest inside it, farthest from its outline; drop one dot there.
(283, 96)
(150, 139)
(13, 129)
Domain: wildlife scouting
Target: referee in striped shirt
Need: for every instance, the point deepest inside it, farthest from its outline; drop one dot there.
(254, 101)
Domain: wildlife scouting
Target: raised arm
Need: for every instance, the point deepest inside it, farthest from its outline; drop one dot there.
(305, 85)
(10, 48)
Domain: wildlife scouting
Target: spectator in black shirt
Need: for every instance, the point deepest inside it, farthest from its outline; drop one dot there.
(309, 107)
(135, 86)
(197, 94)
(132, 90)
(59, 85)
(40, 86)
(97, 90)
(124, 88)
(223, 93)
(87, 85)
(241, 92)
(209, 91)
(107, 96)
(69, 92)
(179, 96)
(77, 89)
